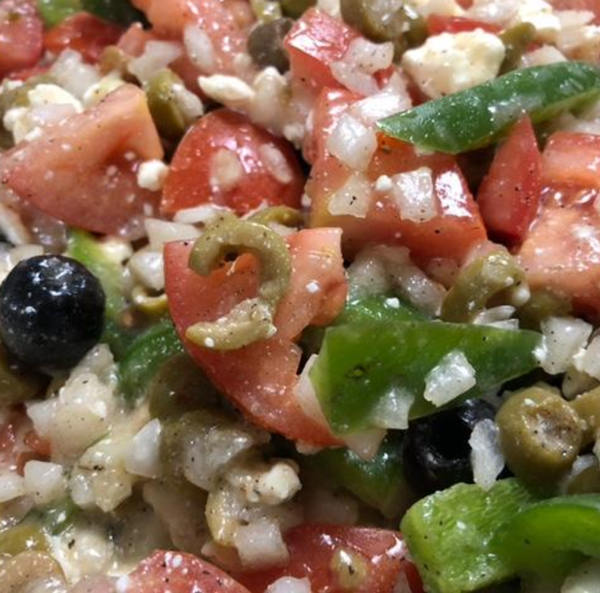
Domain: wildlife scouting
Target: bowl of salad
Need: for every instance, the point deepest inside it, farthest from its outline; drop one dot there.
(299, 296)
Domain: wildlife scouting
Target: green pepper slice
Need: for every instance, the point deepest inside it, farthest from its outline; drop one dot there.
(54, 12)
(120, 12)
(379, 308)
(478, 116)
(360, 364)
(450, 533)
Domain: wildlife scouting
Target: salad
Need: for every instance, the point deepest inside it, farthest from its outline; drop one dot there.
(299, 296)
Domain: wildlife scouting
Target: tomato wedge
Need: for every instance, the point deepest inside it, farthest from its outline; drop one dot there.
(313, 551)
(83, 33)
(83, 172)
(509, 196)
(177, 572)
(225, 159)
(260, 378)
(437, 23)
(21, 31)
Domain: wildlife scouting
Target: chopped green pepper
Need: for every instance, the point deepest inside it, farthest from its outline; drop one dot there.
(478, 116)
(54, 12)
(551, 537)
(450, 533)
(378, 308)
(145, 356)
(379, 483)
(121, 12)
(361, 364)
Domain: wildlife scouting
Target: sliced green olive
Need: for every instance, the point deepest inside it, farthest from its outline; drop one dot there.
(265, 44)
(283, 215)
(24, 537)
(266, 10)
(151, 305)
(587, 405)
(541, 435)
(162, 101)
(493, 276)
(516, 41)
(16, 384)
(252, 319)
(296, 8)
(586, 481)
(541, 305)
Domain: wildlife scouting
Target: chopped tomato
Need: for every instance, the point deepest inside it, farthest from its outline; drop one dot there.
(437, 24)
(509, 196)
(83, 33)
(562, 254)
(450, 234)
(19, 443)
(83, 172)
(225, 22)
(572, 159)
(260, 378)
(317, 552)
(28, 73)
(134, 40)
(177, 572)
(225, 159)
(591, 5)
(21, 31)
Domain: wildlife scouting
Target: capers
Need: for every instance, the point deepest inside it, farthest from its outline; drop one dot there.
(265, 44)
(162, 101)
(516, 41)
(16, 385)
(541, 435)
(388, 20)
(494, 276)
(296, 8)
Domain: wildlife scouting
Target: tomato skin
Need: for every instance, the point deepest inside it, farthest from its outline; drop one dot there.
(509, 195)
(84, 33)
(177, 572)
(93, 182)
(437, 24)
(189, 183)
(451, 234)
(312, 548)
(21, 36)
(260, 378)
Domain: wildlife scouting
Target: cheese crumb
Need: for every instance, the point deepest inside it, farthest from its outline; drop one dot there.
(152, 174)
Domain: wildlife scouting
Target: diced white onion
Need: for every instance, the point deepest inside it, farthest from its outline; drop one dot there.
(226, 170)
(547, 54)
(499, 317)
(352, 143)
(276, 163)
(199, 48)
(392, 99)
(45, 482)
(452, 377)
(353, 198)
(143, 457)
(199, 214)
(589, 361)
(365, 444)
(229, 90)
(289, 585)
(306, 395)
(393, 410)
(73, 74)
(564, 338)
(414, 195)
(163, 231)
(584, 579)
(486, 454)
(12, 486)
(260, 544)
(369, 57)
(353, 79)
(157, 55)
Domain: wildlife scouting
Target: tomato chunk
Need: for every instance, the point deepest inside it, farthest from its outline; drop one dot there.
(21, 31)
(437, 24)
(509, 195)
(313, 552)
(177, 572)
(226, 160)
(83, 172)
(591, 5)
(260, 378)
(451, 233)
(83, 33)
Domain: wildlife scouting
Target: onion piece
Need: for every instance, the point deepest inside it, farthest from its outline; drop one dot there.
(564, 338)
(452, 377)
(486, 454)
(352, 143)
(414, 195)
(353, 198)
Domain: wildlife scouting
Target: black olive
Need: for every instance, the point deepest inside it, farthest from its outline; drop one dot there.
(265, 44)
(51, 312)
(436, 451)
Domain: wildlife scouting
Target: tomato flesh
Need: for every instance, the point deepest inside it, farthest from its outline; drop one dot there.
(260, 378)
(437, 24)
(225, 159)
(509, 196)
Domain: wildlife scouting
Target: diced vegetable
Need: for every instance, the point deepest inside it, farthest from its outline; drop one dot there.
(56, 11)
(351, 379)
(449, 535)
(27, 535)
(117, 11)
(380, 308)
(478, 116)
(516, 40)
(163, 105)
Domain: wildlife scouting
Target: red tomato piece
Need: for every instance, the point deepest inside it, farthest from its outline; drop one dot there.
(21, 36)
(572, 159)
(591, 5)
(437, 24)
(83, 172)
(562, 254)
(226, 22)
(509, 196)
(83, 33)
(313, 549)
(315, 41)
(225, 159)
(260, 378)
(451, 234)
(134, 40)
(19, 443)
(177, 572)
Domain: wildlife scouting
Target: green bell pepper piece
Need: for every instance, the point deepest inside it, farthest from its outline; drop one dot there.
(378, 308)
(449, 535)
(145, 356)
(121, 12)
(379, 483)
(360, 364)
(553, 536)
(478, 116)
(54, 12)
